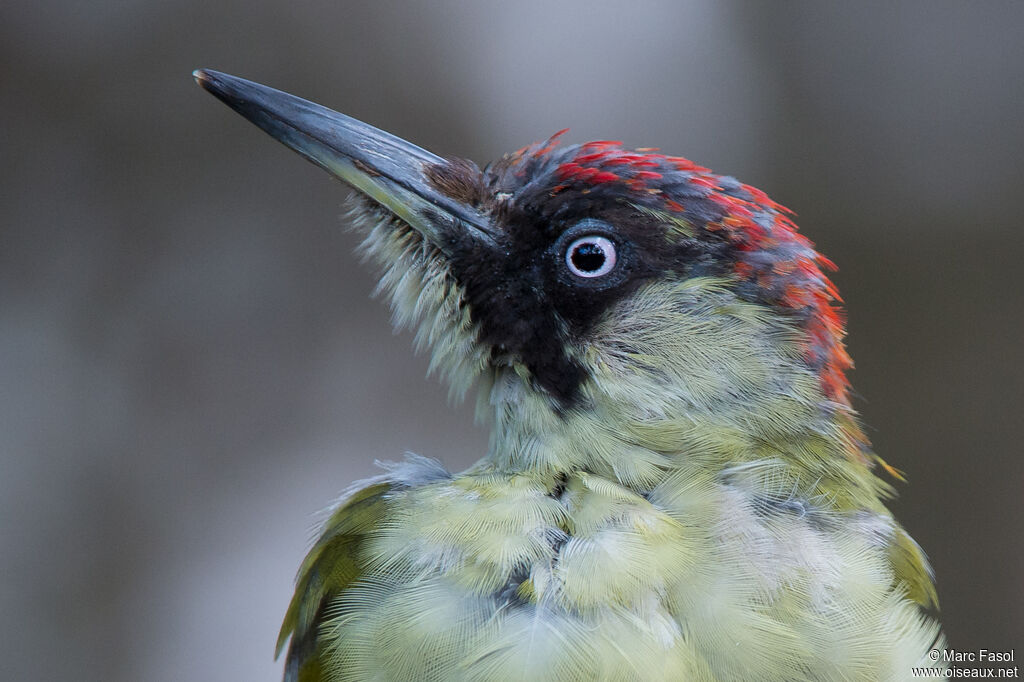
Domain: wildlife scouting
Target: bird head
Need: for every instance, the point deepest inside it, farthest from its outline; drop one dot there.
(606, 300)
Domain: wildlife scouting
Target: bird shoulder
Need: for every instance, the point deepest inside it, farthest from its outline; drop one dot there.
(335, 560)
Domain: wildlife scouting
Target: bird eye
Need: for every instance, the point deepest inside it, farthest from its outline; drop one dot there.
(590, 256)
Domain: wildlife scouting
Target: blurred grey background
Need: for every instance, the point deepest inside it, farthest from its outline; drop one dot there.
(191, 366)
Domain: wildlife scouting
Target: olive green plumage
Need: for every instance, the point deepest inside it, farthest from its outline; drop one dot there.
(682, 541)
(676, 486)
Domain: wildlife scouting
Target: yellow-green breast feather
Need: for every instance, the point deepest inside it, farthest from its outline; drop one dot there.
(501, 576)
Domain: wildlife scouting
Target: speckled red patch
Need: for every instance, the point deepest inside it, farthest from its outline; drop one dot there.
(781, 262)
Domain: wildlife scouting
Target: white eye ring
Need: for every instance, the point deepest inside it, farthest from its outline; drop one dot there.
(590, 256)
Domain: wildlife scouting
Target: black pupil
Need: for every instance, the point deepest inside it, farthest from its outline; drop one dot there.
(588, 257)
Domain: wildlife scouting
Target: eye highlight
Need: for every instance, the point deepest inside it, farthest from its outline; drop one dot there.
(590, 256)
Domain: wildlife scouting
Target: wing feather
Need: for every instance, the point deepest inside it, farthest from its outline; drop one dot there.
(330, 567)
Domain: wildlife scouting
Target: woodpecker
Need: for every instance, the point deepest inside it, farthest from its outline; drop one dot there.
(676, 485)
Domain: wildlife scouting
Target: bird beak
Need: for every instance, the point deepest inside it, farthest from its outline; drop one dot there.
(385, 168)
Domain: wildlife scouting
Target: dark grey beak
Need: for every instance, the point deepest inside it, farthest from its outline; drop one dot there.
(385, 168)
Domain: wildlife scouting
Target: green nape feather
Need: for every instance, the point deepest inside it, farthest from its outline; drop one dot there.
(706, 535)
